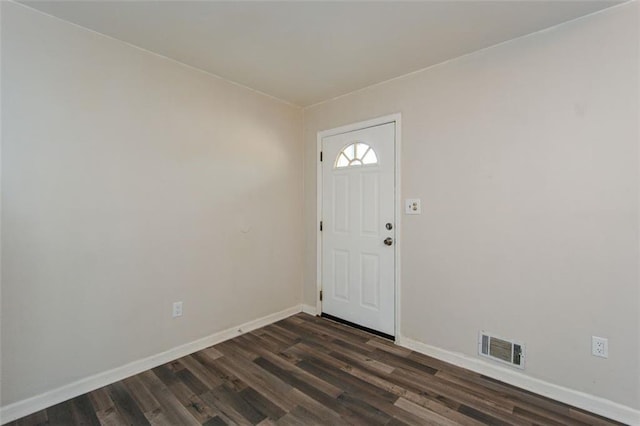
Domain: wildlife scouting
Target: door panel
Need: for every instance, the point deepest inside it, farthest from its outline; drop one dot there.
(370, 280)
(341, 274)
(370, 206)
(341, 204)
(358, 269)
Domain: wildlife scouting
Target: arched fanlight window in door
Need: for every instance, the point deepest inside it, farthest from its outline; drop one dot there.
(356, 154)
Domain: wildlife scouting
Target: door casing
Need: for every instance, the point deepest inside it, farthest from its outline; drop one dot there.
(392, 118)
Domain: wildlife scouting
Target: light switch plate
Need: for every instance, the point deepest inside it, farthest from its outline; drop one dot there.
(412, 206)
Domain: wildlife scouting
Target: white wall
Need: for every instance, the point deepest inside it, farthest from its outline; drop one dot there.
(525, 156)
(129, 182)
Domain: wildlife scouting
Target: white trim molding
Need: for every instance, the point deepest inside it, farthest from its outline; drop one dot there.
(585, 401)
(309, 309)
(31, 405)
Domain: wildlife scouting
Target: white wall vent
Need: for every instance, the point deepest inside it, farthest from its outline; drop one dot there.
(502, 350)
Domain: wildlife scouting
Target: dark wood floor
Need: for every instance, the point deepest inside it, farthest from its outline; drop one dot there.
(306, 370)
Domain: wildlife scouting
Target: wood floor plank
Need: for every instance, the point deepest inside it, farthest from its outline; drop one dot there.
(303, 352)
(433, 405)
(126, 406)
(322, 411)
(350, 334)
(442, 409)
(263, 348)
(233, 349)
(439, 365)
(353, 386)
(228, 397)
(494, 409)
(185, 394)
(211, 352)
(36, 419)
(269, 342)
(401, 362)
(536, 418)
(110, 417)
(520, 398)
(262, 404)
(307, 370)
(60, 414)
(326, 394)
(363, 361)
(100, 399)
(203, 374)
(221, 375)
(82, 411)
(171, 407)
(302, 416)
(588, 418)
(227, 412)
(383, 404)
(328, 332)
(276, 337)
(104, 407)
(364, 409)
(216, 421)
(300, 379)
(334, 374)
(544, 416)
(283, 330)
(387, 346)
(251, 373)
(139, 392)
(260, 382)
(191, 381)
(353, 347)
(429, 417)
(491, 418)
(175, 366)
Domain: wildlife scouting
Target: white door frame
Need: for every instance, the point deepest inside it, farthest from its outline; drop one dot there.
(392, 118)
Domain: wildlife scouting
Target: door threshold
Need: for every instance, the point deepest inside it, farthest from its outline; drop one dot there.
(359, 327)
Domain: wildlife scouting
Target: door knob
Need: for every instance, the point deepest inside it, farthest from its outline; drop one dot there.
(388, 241)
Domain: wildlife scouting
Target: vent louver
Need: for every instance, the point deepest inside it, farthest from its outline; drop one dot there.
(503, 350)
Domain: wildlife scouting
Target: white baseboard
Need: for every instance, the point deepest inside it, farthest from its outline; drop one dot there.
(594, 404)
(308, 309)
(31, 405)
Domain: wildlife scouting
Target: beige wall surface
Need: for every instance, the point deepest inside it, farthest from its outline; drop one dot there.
(130, 182)
(525, 156)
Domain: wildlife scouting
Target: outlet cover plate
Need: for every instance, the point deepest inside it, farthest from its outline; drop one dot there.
(600, 347)
(177, 309)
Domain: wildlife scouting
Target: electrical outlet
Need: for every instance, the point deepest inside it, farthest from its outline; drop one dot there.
(177, 309)
(412, 206)
(599, 347)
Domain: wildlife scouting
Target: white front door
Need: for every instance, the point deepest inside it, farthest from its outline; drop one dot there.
(358, 227)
